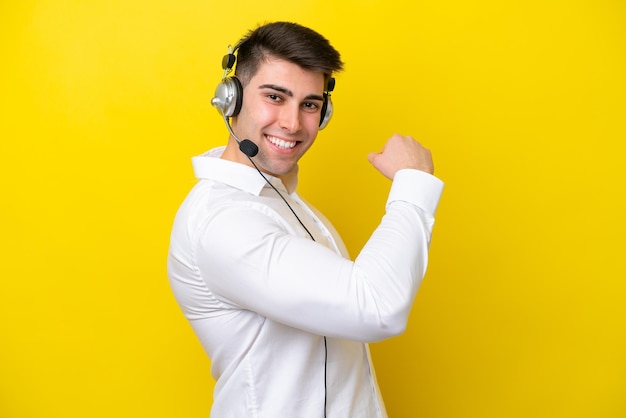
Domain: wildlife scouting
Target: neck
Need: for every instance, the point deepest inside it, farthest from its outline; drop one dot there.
(234, 154)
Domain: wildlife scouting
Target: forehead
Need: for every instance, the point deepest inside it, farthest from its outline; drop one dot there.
(276, 71)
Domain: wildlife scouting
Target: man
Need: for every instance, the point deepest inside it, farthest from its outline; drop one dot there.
(263, 278)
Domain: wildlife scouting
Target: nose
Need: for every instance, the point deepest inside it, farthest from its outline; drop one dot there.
(290, 119)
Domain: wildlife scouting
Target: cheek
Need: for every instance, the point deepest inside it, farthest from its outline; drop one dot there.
(262, 115)
(252, 110)
(311, 122)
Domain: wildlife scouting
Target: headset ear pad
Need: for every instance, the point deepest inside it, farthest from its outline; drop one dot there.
(228, 97)
(327, 106)
(327, 111)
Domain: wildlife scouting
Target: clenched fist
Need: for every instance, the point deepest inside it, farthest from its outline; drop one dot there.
(401, 152)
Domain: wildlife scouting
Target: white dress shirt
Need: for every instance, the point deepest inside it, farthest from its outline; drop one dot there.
(261, 295)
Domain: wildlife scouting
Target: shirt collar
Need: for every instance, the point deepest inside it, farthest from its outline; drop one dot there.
(211, 167)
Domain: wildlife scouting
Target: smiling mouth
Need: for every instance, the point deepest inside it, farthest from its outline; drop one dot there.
(281, 143)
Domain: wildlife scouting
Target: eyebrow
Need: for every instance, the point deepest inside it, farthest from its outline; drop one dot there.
(289, 92)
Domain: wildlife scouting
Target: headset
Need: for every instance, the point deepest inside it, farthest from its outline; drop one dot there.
(229, 92)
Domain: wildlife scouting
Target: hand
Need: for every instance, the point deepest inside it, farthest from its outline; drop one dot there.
(401, 152)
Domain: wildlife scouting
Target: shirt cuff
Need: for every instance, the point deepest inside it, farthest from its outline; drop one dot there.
(416, 187)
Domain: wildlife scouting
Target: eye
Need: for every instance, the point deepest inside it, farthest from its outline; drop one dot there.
(310, 106)
(274, 97)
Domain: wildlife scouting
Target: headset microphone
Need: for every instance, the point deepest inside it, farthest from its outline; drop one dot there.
(248, 147)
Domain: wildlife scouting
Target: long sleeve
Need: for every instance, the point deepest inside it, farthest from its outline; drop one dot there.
(251, 258)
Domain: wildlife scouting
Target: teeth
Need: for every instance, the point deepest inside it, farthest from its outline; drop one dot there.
(280, 143)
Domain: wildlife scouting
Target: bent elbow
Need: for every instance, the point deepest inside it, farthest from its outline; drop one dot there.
(388, 325)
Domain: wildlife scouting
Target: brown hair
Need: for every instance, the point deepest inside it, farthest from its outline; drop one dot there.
(289, 41)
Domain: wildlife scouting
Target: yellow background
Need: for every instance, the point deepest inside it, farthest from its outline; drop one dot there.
(523, 311)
